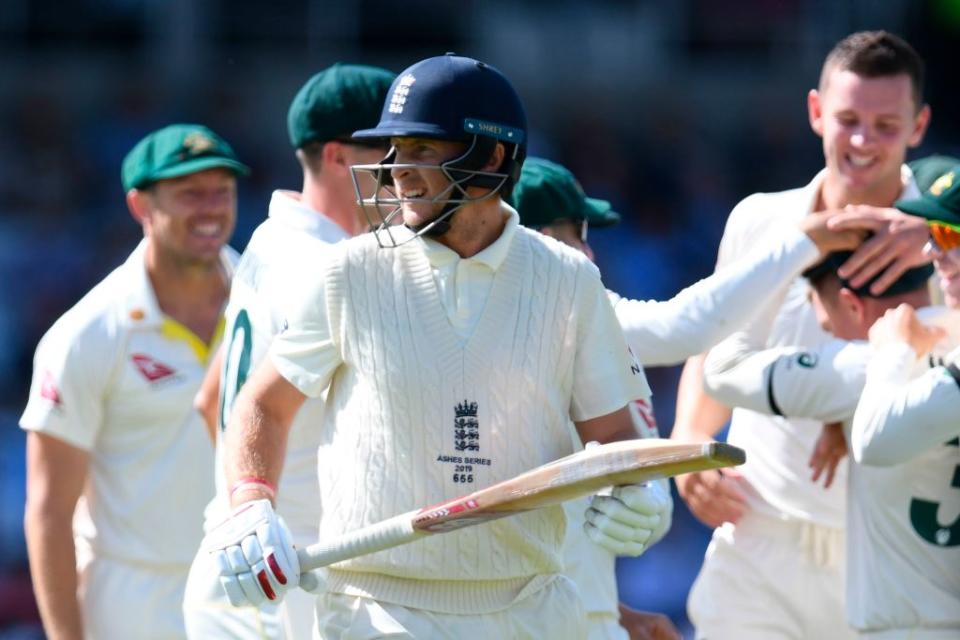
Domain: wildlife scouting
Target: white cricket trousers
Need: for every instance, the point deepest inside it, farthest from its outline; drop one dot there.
(771, 579)
(554, 612)
(131, 601)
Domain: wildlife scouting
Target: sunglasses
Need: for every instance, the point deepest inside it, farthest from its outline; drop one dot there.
(943, 237)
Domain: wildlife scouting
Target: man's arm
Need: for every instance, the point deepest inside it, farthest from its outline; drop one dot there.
(703, 314)
(612, 427)
(256, 438)
(714, 497)
(56, 473)
(207, 400)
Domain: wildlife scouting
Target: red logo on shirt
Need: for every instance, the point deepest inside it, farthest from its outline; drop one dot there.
(644, 410)
(48, 388)
(151, 369)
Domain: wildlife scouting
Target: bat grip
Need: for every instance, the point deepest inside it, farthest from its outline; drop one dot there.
(376, 537)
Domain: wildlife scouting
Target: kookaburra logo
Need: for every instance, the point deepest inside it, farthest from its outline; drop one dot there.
(466, 427)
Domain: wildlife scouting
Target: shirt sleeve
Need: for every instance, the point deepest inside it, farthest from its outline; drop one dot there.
(822, 384)
(898, 418)
(700, 316)
(606, 375)
(305, 352)
(67, 391)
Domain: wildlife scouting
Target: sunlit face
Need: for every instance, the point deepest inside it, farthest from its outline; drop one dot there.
(417, 187)
(947, 264)
(866, 125)
(193, 216)
(571, 233)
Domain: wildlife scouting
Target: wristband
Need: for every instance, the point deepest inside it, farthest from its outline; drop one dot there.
(251, 482)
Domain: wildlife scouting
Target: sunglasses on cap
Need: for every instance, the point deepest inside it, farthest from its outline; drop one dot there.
(944, 238)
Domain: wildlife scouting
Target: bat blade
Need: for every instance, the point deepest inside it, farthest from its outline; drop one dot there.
(574, 476)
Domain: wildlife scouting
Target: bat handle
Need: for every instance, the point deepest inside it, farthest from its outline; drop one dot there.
(376, 537)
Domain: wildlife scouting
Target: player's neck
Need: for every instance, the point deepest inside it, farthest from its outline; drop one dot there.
(191, 292)
(835, 195)
(339, 207)
(475, 227)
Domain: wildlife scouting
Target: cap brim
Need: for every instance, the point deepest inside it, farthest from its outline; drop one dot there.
(929, 209)
(600, 213)
(201, 164)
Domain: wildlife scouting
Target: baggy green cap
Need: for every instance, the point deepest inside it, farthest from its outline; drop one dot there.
(927, 169)
(338, 101)
(174, 151)
(940, 203)
(547, 192)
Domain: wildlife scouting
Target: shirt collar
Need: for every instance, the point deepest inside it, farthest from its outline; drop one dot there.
(492, 256)
(908, 190)
(287, 208)
(140, 307)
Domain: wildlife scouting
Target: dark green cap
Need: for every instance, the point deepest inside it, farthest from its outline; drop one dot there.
(940, 203)
(174, 151)
(547, 192)
(338, 101)
(911, 280)
(926, 170)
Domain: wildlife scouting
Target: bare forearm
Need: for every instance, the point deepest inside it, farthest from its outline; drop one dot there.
(698, 416)
(53, 568)
(256, 445)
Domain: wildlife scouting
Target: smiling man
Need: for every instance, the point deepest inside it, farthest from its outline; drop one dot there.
(118, 470)
(777, 532)
(456, 350)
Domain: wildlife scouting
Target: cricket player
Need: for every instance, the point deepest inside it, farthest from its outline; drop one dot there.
(777, 531)
(326, 110)
(549, 199)
(898, 586)
(118, 469)
(459, 349)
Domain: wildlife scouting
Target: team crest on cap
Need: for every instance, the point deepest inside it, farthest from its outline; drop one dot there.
(399, 97)
(197, 143)
(941, 184)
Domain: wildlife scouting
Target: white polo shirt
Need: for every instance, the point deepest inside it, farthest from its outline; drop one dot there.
(115, 377)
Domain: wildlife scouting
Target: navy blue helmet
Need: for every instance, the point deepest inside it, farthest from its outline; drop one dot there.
(451, 98)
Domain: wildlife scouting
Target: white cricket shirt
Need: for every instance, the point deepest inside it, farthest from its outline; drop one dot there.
(778, 448)
(287, 246)
(116, 378)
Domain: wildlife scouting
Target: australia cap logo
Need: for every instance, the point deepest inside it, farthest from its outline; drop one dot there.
(399, 97)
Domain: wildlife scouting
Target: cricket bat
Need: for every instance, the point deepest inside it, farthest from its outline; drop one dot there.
(580, 474)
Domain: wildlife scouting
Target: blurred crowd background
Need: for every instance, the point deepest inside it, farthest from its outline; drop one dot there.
(671, 109)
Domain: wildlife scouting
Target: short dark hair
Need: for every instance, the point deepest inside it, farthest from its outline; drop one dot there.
(876, 54)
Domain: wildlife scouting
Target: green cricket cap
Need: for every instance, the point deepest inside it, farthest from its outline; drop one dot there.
(940, 203)
(174, 151)
(338, 101)
(547, 192)
(911, 280)
(927, 169)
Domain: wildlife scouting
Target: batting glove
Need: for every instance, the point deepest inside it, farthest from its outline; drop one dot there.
(629, 520)
(254, 552)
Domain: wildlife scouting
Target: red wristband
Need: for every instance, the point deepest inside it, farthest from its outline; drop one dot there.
(251, 482)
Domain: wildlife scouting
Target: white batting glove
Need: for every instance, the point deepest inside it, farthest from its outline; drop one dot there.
(254, 552)
(629, 520)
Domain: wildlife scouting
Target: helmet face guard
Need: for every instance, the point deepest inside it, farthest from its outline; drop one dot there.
(384, 207)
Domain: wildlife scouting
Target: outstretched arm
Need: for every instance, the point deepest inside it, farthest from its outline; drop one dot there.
(207, 400)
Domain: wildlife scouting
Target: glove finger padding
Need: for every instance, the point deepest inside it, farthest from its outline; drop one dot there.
(621, 530)
(617, 547)
(255, 554)
(648, 499)
(615, 510)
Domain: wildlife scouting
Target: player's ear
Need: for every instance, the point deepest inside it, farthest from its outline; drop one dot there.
(815, 112)
(496, 158)
(920, 124)
(138, 203)
(335, 157)
(852, 304)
